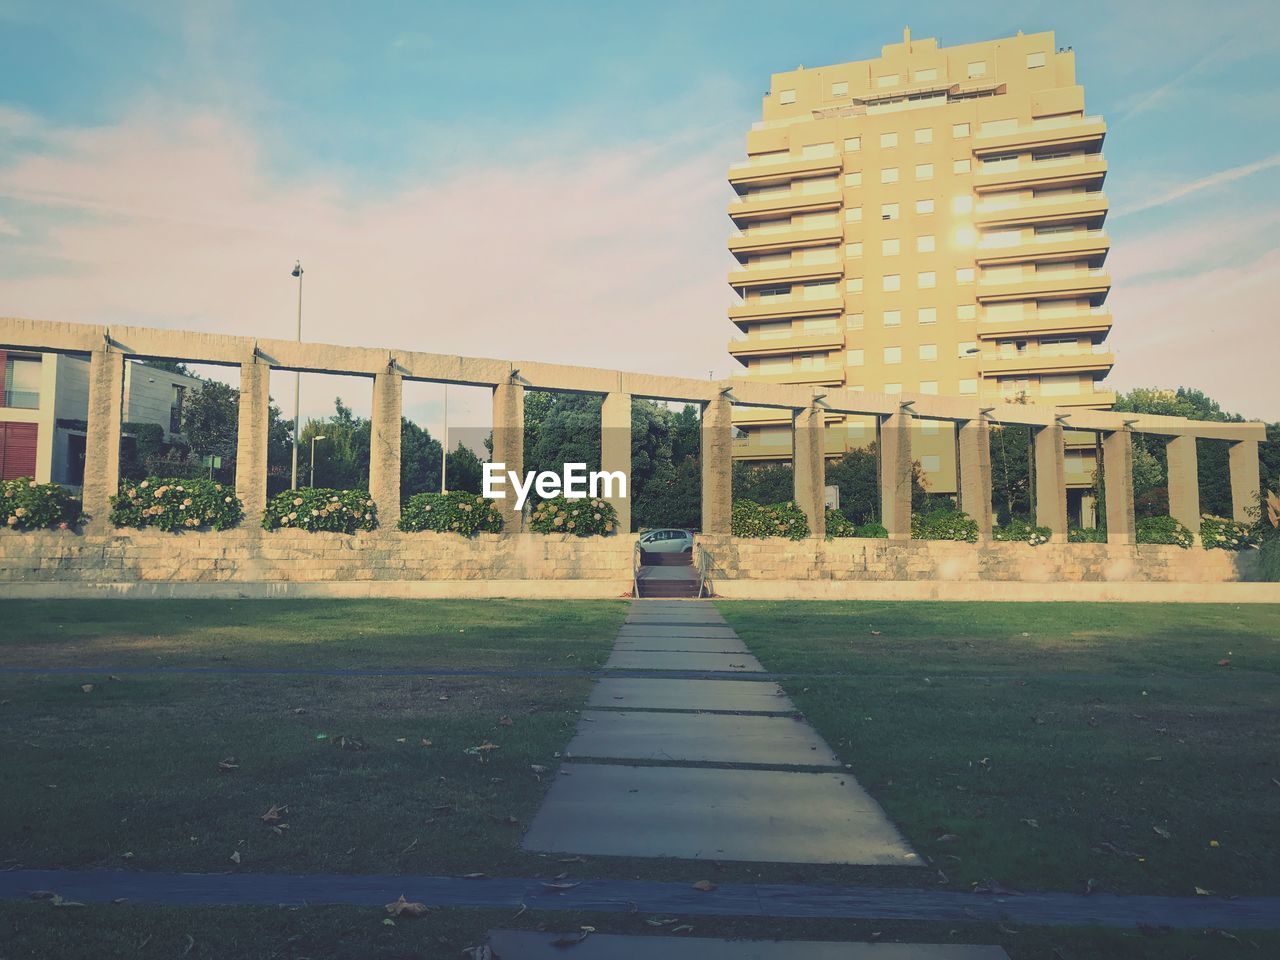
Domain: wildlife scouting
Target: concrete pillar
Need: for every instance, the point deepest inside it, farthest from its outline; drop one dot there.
(102, 437)
(251, 438)
(615, 450)
(1184, 482)
(384, 447)
(1246, 479)
(895, 475)
(1051, 482)
(809, 464)
(508, 445)
(974, 439)
(1117, 472)
(717, 466)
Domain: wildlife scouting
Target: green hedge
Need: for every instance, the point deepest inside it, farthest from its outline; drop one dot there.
(582, 516)
(944, 524)
(1164, 530)
(453, 512)
(175, 504)
(1219, 533)
(317, 508)
(1021, 531)
(751, 519)
(1087, 535)
(872, 531)
(38, 506)
(1269, 560)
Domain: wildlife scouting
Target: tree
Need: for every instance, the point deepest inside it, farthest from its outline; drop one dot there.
(419, 460)
(172, 366)
(857, 475)
(765, 483)
(464, 470)
(210, 420)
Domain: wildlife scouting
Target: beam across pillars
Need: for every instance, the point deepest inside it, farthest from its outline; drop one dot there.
(809, 467)
(895, 475)
(615, 451)
(1246, 479)
(1184, 482)
(1117, 473)
(384, 446)
(102, 436)
(1051, 482)
(253, 432)
(717, 466)
(974, 440)
(508, 445)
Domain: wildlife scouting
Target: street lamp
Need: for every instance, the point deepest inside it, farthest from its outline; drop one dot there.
(313, 460)
(444, 441)
(297, 379)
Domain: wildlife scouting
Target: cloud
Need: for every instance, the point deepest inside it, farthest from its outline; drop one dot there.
(7, 229)
(1218, 179)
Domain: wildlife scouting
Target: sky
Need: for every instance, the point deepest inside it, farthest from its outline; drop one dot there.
(547, 181)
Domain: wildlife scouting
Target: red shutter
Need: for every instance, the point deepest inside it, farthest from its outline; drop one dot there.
(18, 450)
(4, 370)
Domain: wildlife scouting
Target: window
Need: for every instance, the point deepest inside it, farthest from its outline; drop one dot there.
(855, 428)
(964, 275)
(926, 280)
(1035, 60)
(924, 135)
(854, 358)
(889, 175)
(853, 285)
(852, 144)
(1007, 125)
(818, 325)
(924, 206)
(888, 140)
(853, 321)
(977, 68)
(853, 250)
(968, 388)
(967, 311)
(21, 383)
(888, 80)
(889, 248)
(928, 351)
(774, 293)
(966, 349)
(962, 204)
(961, 166)
(819, 291)
(930, 463)
(840, 89)
(892, 354)
(816, 151)
(774, 331)
(893, 318)
(786, 96)
(929, 386)
(1060, 386)
(925, 244)
(888, 211)
(928, 428)
(924, 171)
(853, 179)
(959, 131)
(818, 255)
(891, 281)
(853, 215)
(927, 315)
(931, 73)
(893, 388)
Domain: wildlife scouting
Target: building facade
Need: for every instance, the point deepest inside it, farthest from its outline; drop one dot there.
(44, 404)
(930, 221)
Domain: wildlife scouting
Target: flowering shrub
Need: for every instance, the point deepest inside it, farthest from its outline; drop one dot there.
(1222, 534)
(944, 524)
(582, 517)
(1087, 535)
(175, 504)
(1020, 531)
(1164, 530)
(838, 525)
(872, 531)
(317, 508)
(34, 506)
(452, 512)
(750, 519)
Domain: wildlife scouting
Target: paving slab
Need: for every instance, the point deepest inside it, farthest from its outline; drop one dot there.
(700, 813)
(675, 619)
(699, 738)
(674, 660)
(744, 696)
(659, 631)
(678, 644)
(528, 945)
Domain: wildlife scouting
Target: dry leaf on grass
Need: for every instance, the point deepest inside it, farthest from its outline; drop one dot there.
(228, 764)
(403, 908)
(274, 815)
(505, 721)
(86, 688)
(560, 886)
(235, 856)
(1161, 831)
(706, 886)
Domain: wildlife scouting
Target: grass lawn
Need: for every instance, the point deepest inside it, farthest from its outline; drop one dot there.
(1051, 746)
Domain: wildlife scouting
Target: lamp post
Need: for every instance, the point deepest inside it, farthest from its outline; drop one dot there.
(444, 441)
(297, 380)
(313, 459)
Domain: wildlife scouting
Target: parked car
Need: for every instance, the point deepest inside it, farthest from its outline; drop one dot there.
(666, 541)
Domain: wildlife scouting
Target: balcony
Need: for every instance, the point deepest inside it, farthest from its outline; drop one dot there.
(1048, 132)
(766, 242)
(798, 272)
(1086, 283)
(795, 202)
(1043, 210)
(1089, 168)
(1033, 361)
(749, 173)
(826, 376)
(1090, 322)
(760, 416)
(1082, 244)
(782, 307)
(20, 399)
(781, 346)
(1085, 398)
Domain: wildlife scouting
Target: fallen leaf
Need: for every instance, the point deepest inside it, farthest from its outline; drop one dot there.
(505, 721)
(706, 886)
(1224, 662)
(683, 928)
(1202, 892)
(235, 856)
(228, 764)
(1031, 822)
(571, 939)
(274, 814)
(86, 688)
(660, 921)
(559, 886)
(403, 908)
(58, 901)
(1161, 832)
(482, 952)
(426, 742)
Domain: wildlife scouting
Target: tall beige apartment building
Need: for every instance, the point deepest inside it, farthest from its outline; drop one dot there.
(929, 221)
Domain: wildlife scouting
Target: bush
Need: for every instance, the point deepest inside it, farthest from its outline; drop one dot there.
(453, 512)
(944, 524)
(1018, 530)
(1164, 530)
(751, 519)
(1219, 533)
(1269, 561)
(36, 506)
(582, 516)
(1087, 535)
(872, 531)
(838, 525)
(318, 508)
(176, 504)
